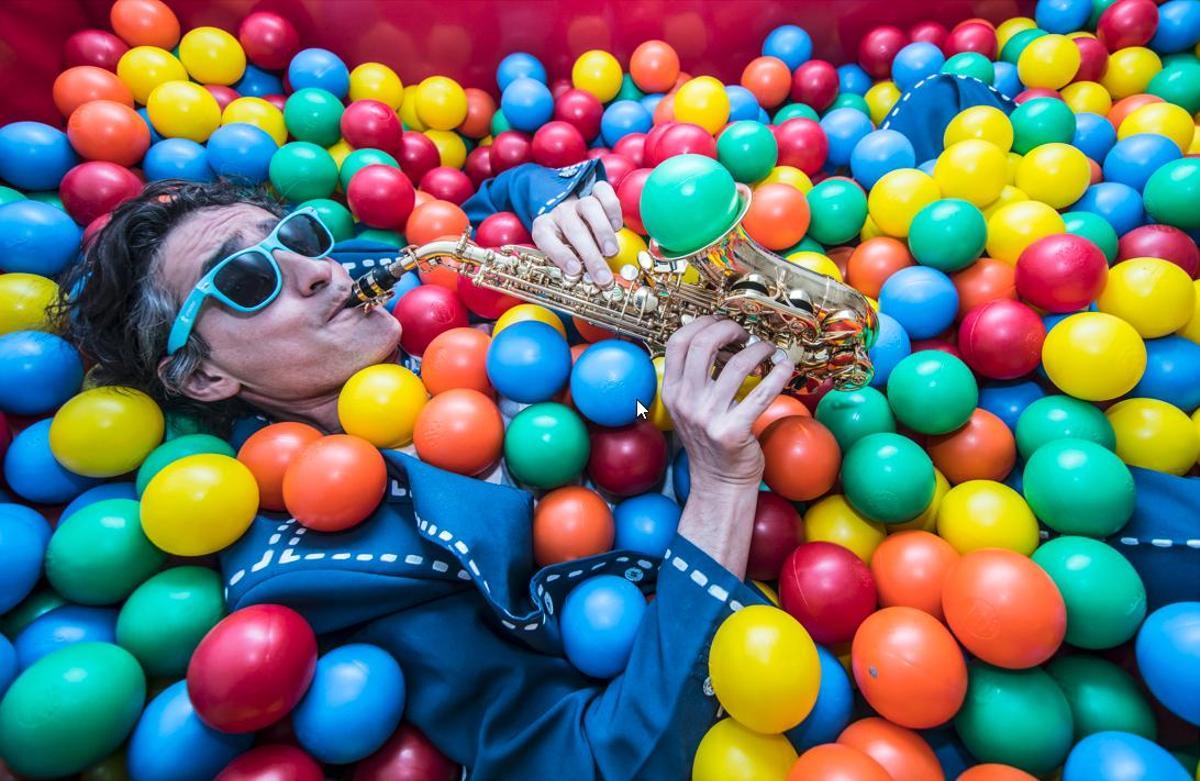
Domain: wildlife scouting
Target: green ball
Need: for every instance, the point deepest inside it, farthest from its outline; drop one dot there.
(335, 216)
(314, 115)
(888, 478)
(1016, 44)
(794, 110)
(164, 620)
(1098, 9)
(179, 424)
(1095, 229)
(806, 244)
(629, 90)
(301, 171)
(837, 209)
(748, 149)
(175, 449)
(382, 236)
(8, 195)
(29, 610)
(972, 64)
(932, 392)
(500, 123)
(100, 554)
(1015, 717)
(688, 202)
(853, 414)
(546, 445)
(360, 159)
(1061, 417)
(1178, 83)
(1102, 696)
(1041, 121)
(1105, 597)
(70, 709)
(948, 235)
(47, 196)
(1173, 192)
(1075, 486)
(849, 100)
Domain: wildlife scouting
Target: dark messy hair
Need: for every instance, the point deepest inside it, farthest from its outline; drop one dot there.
(114, 306)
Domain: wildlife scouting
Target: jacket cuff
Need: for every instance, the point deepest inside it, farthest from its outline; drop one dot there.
(581, 178)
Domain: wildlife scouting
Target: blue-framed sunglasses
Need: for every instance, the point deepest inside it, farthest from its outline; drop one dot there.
(249, 279)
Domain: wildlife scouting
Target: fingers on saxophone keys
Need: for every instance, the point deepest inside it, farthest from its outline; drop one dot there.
(546, 238)
(601, 229)
(677, 348)
(739, 367)
(758, 399)
(704, 348)
(577, 234)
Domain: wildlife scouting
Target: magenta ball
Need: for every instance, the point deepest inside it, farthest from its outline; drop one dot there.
(502, 228)
(1002, 339)
(268, 39)
(1061, 273)
(581, 109)
(971, 36)
(425, 312)
(371, 124)
(633, 148)
(1161, 241)
(92, 189)
(94, 47)
(509, 150)
(878, 48)
(417, 155)
(930, 32)
(802, 144)
(627, 460)
(558, 144)
(273, 762)
(684, 138)
(777, 531)
(616, 167)
(815, 83)
(828, 589)
(381, 196)
(1127, 23)
(447, 184)
(479, 165)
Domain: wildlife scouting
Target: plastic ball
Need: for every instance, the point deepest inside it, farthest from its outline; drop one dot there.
(268, 452)
(559, 144)
(1041, 121)
(1153, 434)
(1167, 648)
(1102, 696)
(178, 158)
(778, 216)
(777, 532)
(36, 238)
(1055, 174)
(901, 752)
(381, 196)
(1113, 755)
(569, 523)
(319, 68)
(180, 109)
(268, 39)
(1135, 158)
(143, 68)
(1079, 487)
(199, 504)
(126, 421)
(1095, 229)
(986, 514)
(609, 380)
(910, 569)
(897, 197)
(1169, 191)
(1153, 295)
(106, 130)
(165, 618)
(407, 754)
(100, 554)
(948, 235)
(932, 392)
(887, 478)
(38, 372)
(874, 261)
(627, 460)
(91, 190)
(597, 72)
(32, 472)
(212, 56)
(171, 743)
(371, 124)
(1178, 27)
(60, 627)
(96, 48)
(240, 152)
(459, 430)
(1061, 273)
(915, 62)
(426, 312)
(971, 64)
(838, 209)
(1118, 204)
(730, 750)
(646, 523)
(1130, 70)
(441, 104)
(973, 170)
(702, 101)
(1161, 241)
(878, 153)
(522, 312)
(456, 359)
(844, 128)
(24, 535)
(852, 415)
(314, 115)
(1061, 417)
(302, 171)
(1050, 61)
(600, 620)
(748, 149)
(1014, 227)
(828, 589)
(1002, 339)
(795, 440)
(1172, 366)
(34, 156)
(380, 404)
(272, 761)
(1104, 596)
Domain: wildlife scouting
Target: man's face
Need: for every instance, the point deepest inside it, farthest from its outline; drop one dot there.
(303, 344)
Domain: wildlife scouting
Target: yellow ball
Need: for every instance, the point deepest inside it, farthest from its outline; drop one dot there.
(1014, 227)
(815, 261)
(199, 504)
(1194, 149)
(629, 245)
(452, 150)
(658, 414)
(522, 312)
(1190, 329)
(1008, 195)
(973, 170)
(986, 514)
(1010, 27)
(703, 101)
(1129, 71)
(1012, 163)
(730, 752)
(1155, 296)
(340, 151)
(106, 431)
(767, 591)
(408, 110)
(212, 56)
(1094, 356)
(1050, 61)
(441, 103)
(832, 519)
(381, 403)
(1087, 96)
(898, 196)
(257, 112)
(985, 123)
(927, 520)
(764, 669)
(376, 81)
(786, 174)
(1164, 119)
(143, 68)
(183, 109)
(1055, 174)
(870, 230)
(23, 302)
(1195, 421)
(599, 73)
(1154, 435)
(880, 98)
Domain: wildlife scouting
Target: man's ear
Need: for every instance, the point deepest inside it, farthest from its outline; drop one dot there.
(207, 383)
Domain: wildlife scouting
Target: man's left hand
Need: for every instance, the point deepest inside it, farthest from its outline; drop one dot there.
(579, 233)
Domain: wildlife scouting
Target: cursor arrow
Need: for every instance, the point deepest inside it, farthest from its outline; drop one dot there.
(641, 410)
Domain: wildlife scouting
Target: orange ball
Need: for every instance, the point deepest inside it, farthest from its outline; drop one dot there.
(435, 220)
(802, 458)
(873, 261)
(457, 359)
(987, 279)
(335, 483)
(992, 772)
(910, 569)
(769, 80)
(145, 23)
(835, 762)
(903, 753)
(1126, 106)
(665, 110)
(781, 407)
(420, 198)
(480, 108)
(78, 85)
(439, 275)
(110, 131)
(778, 216)
(592, 333)
(570, 523)
(654, 66)
(908, 667)
(981, 449)
(268, 452)
(460, 430)
(1004, 608)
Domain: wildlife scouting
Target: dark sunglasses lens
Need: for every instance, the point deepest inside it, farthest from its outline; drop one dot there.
(302, 234)
(248, 280)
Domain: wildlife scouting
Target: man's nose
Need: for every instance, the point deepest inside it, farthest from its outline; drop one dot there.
(305, 275)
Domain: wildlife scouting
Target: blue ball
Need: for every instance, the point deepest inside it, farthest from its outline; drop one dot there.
(528, 362)
(35, 475)
(922, 299)
(892, 345)
(1172, 373)
(241, 152)
(1094, 135)
(646, 523)
(24, 534)
(1119, 204)
(1178, 26)
(353, 705)
(951, 754)
(527, 104)
(518, 65)
(63, 626)
(831, 713)
(8, 664)
(742, 103)
(155, 136)
(609, 379)
(98, 494)
(38, 372)
(763, 116)
(406, 283)
(650, 102)
(1168, 656)
(1121, 756)
(927, 167)
(177, 158)
(1015, 479)
(1007, 82)
(1133, 159)
(623, 117)
(853, 79)
(34, 156)
(319, 68)
(599, 622)
(171, 743)
(37, 238)
(1008, 399)
(879, 152)
(245, 426)
(789, 43)
(258, 83)
(844, 127)
(915, 62)
(1062, 16)
(681, 478)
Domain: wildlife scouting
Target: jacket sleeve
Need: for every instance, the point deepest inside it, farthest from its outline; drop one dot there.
(531, 190)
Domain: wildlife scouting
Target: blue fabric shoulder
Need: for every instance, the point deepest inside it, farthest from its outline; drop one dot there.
(1162, 540)
(923, 112)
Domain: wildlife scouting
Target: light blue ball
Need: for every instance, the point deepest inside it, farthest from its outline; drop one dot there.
(258, 83)
(609, 379)
(681, 478)
(852, 78)
(528, 362)
(24, 534)
(599, 623)
(1094, 135)
(1062, 16)
(623, 117)
(37, 238)
(1172, 373)
(922, 299)
(1121, 756)
(892, 345)
(831, 713)
(789, 43)
(1119, 204)
(319, 68)
(844, 128)
(101, 492)
(155, 136)
(35, 475)
(1133, 159)
(527, 104)
(177, 158)
(646, 523)
(1178, 26)
(651, 101)
(878, 153)
(1008, 399)
(915, 62)
(1168, 656)
(742, 103)
(1007, 82)
(63, 626)
(519, 65)
(38, 372)
(171, 743)
(34, 156)
(241, 152)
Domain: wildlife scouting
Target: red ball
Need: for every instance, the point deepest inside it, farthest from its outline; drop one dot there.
(650, 145)
(632, 147)
(802, 144)
(627, 460)
(1093, 59)
(1061, 273)
(417, 154)
(928, 31)
(815, 83)
(828, 589)
(1036, 92)
(616, 167)
(107, 130)
(94, 47)
(1161, 241)
(502, 228)
(482, 301)
(371, 124)
(509, 150)
(629, 193)
(878, 48)
(447, 184)
(778, 529)
(941, 345)
(223, 95)
(407, 756)
(381, 196)
(273, 763)
(479, 165)
(268, 39)
(1002, 339)
(972, 35)
(597, 151)
(1127, 23)
(280, 102)
(95, 188)
(425, 312)
(683, 138)
(581, 109)
(559, 86)
(557, 144)
(252, 668)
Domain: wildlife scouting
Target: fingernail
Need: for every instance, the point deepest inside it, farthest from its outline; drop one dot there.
(610, 248)
(605, 277)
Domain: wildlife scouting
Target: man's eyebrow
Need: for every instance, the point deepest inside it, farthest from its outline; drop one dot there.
(233, 244)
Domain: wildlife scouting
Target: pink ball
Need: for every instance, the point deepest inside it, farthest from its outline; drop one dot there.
(973, 35)
(502, 228)
(381, 196)
(269, 40)
(928, 31)
(878, 48)
(616, 168)
(417, 155)
(581, 109)
(633, 147)
(273, 763)
(828, 589)
(802, 144)
(815, 83)
(479, 165)
(447, 184)
(1093, 59)
(1002, 339)
(97, 187)
(1127, 23)
(280, 102)
(557, 144)
(425, 312)
(1161, 241)
(650, 145)
(223, 95)
(371, 124)
(1061, 273)
(509, 150)
(684, 138)
(559, 86)
(94, 47)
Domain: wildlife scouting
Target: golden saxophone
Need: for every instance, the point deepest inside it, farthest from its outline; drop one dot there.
(824, 326)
